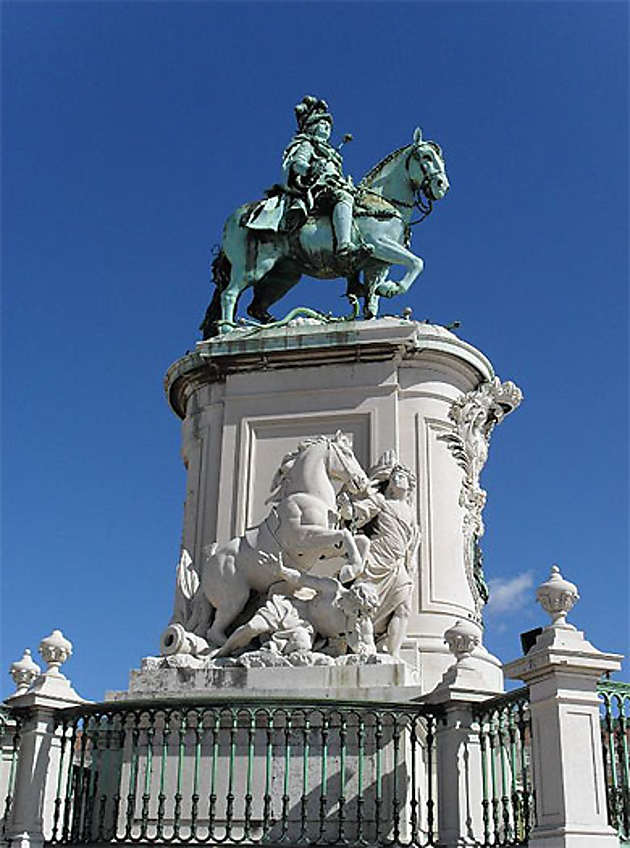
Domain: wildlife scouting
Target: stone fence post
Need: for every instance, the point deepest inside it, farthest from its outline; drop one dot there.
(562, 670)
(37, 698)
(459, 787)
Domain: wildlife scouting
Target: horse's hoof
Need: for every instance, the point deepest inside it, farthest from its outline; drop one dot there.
(216, 640)
(370, 309)
(260, 315)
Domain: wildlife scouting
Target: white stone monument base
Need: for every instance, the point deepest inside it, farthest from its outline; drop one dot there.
(379, 678)
(248, 398)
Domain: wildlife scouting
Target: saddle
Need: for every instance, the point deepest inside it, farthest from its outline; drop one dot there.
(270, 213)
(369, 204)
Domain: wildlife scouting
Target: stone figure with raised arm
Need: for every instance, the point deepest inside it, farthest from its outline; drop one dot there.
(386, 514)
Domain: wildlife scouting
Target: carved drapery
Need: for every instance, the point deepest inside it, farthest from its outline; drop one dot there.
(474, 416)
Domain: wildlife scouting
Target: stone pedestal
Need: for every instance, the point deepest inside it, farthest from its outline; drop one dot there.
(248, 398)
(562, 671)
(459, 764)
(39, 756)
(181, 676)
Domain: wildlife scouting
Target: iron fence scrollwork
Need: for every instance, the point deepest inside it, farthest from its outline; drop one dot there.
(10, 738)
(615, 727)
(252, 772)
(504, 730)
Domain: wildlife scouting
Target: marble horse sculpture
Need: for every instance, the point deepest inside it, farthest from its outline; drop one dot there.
(319, 223)
(301, 529)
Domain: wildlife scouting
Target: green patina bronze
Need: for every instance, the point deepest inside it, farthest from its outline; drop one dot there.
(503, 728)
(317, 222)
(615, 727)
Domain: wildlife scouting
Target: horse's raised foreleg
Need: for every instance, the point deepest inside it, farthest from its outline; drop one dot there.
(389, 250)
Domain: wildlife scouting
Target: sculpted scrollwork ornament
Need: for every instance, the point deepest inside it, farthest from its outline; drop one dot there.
(474, 416)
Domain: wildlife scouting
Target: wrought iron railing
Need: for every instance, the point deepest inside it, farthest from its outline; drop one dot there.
(504, 729)
(252, 772)
(10, 726)
(615, 725)
(279, 773)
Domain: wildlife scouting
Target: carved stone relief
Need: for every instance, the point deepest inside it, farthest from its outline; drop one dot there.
(474, 416)
(253, 601)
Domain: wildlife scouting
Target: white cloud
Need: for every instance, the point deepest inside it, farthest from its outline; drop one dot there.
(510, 594)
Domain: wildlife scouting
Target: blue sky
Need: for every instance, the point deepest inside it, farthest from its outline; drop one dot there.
(131, 130)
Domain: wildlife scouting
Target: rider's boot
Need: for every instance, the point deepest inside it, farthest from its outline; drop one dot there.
(342, 225)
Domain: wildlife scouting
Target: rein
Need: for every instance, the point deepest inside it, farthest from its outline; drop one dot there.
(421, 202)
(344, 465)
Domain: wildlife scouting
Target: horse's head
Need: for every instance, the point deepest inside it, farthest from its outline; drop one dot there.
(425, 167)
(343, 464)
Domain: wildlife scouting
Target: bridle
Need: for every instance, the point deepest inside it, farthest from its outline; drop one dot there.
(354, 479)
(422, 202)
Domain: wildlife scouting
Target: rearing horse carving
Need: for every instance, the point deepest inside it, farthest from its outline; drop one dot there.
(300, 529)
(408, 179)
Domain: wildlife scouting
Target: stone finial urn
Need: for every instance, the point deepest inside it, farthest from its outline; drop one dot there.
(24, 672)
(557, 597)
(462, 639)
(55, 650)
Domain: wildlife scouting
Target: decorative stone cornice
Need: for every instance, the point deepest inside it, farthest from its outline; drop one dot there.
(349, 342)
(474, 416)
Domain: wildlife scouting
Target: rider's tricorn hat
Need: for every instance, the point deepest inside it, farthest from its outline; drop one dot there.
(386, 465)
(311, 110)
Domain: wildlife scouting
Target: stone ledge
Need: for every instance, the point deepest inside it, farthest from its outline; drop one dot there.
(307, 345)
(387, 680)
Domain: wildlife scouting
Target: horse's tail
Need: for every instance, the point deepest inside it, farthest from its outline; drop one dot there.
(186, 584)
(221, 269)
(200, 614)
(198, 607)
